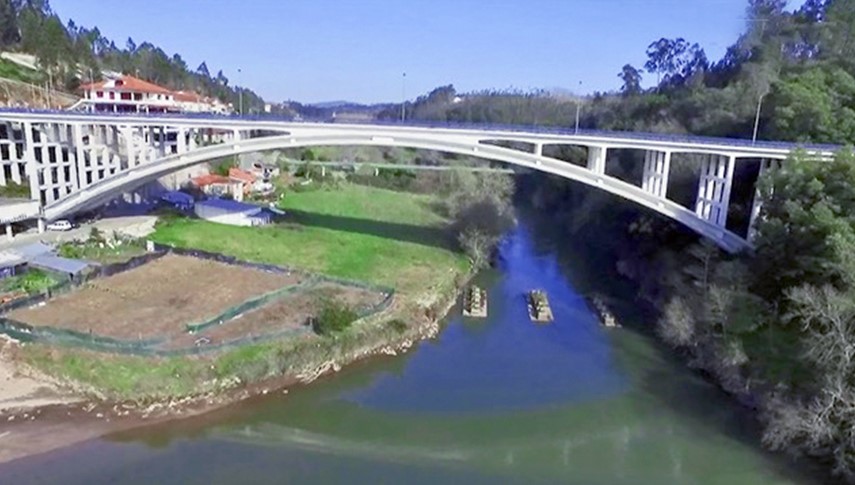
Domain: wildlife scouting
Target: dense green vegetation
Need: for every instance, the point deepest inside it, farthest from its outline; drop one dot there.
(103, 252)
(71, 54)
(333, 317)
(31, 282)
(10, 70)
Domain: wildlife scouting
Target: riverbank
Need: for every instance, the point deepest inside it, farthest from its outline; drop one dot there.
(122, 391)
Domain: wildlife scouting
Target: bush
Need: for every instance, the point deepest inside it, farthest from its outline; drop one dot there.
(334, 317)
(33, 281)
(95, 235)
(397, 325)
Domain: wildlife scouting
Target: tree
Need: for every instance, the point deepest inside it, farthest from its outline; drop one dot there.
(807, 209)
(663, 56)
(202, 70)
(631, 78)
(816, 105)
(9, 33)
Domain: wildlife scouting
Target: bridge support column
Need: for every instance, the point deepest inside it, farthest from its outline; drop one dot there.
(538, 149)
(130, 147)
(10, 234)
(714, 189)
(41, 225)
(657, 165)
(181, 140)
(597, 159)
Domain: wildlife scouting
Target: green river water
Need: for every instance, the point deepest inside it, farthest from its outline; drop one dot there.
(494, 401)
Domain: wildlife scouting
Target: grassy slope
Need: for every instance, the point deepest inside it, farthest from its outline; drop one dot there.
(10, 70)
(354, 232)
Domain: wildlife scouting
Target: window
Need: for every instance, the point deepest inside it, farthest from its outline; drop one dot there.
(112, 95)
(126, 96)
(100, 94)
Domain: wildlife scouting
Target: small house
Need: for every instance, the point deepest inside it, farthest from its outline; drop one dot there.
(224, 211)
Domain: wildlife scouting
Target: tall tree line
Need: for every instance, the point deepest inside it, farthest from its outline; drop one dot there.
(73, 54)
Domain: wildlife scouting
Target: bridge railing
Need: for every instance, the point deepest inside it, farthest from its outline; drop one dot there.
(510, 128)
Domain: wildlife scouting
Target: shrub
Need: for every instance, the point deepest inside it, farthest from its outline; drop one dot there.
(95, 235)
(334, 317)
(397, 325)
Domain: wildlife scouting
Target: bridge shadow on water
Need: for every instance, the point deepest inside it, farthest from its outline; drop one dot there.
(433, 236)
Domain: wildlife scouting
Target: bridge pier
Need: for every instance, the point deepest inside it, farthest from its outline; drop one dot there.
(714, 189)
(597, 159)
(41, 225)
(657, 166)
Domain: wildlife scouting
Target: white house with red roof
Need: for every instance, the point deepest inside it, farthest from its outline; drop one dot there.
(128, 94)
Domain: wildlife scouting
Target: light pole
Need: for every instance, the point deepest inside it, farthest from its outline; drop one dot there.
(240, 97)
(578, 106)
(403, 96)
(757, 118)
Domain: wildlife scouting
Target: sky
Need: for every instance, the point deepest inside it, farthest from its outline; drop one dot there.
(358, 50)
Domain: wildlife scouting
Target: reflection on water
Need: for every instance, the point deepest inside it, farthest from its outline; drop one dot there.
(496, 400)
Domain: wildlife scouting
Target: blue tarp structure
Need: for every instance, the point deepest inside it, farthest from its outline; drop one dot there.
(49, 262)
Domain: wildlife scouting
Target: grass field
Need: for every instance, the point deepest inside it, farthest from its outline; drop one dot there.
(355, 232)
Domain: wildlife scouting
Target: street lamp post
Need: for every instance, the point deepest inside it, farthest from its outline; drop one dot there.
(578, 106)
(403, 96)
(240, 97)
(757, 118)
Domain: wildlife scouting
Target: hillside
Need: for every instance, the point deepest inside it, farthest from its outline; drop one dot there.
(27, 88)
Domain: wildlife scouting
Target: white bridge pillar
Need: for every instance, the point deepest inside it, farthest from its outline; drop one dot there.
(597, 159)
(714, 188)
(657, 165)
(181, 140)
(538, 149)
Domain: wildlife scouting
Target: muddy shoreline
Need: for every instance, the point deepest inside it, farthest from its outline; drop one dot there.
(36, 430)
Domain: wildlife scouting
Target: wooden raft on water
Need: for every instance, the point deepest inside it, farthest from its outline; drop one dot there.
(538, 307)
(475, 302)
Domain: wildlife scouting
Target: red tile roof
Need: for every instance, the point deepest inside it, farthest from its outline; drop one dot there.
(188, 96)
(243, 176)
(128, 83)
(210, 179)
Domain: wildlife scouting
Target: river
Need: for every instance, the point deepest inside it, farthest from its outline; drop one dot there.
(499, 400)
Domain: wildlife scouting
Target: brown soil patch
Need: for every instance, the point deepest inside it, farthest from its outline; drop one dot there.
(156, 299)
(291, 312)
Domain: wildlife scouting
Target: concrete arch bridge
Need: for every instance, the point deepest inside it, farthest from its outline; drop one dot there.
(76, 161)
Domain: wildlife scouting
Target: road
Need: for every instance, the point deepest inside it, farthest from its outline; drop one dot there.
(137, 226)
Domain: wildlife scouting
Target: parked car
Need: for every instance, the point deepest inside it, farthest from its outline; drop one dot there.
(60, 225)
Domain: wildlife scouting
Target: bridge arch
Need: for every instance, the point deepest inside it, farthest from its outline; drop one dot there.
(462, 144)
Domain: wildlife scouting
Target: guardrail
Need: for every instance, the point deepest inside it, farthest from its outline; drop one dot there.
(509, 128)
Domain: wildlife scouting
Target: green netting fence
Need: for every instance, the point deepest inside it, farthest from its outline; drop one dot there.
(251, 304)
(156, 346)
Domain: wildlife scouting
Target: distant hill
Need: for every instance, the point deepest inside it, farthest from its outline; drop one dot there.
(333, 104)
